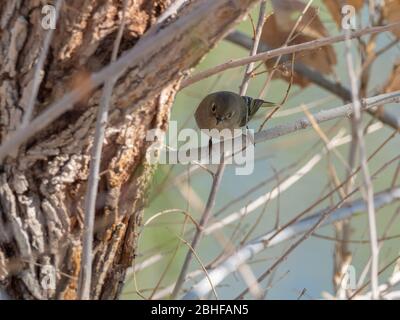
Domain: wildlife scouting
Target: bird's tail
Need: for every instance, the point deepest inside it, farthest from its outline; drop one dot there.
(268, 104)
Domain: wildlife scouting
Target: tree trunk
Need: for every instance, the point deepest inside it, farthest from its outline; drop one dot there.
(42, 185)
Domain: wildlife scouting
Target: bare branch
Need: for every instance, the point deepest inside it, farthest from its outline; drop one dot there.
(317, 78)
(254, 49)
(288, 40)
(244, 40)
(254, 247)
(37, 77)
(367, 186)
(203, 222)
(285, 50)
(93, 180)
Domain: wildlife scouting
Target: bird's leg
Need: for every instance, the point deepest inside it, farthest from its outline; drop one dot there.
(209, 149)
(251, 136)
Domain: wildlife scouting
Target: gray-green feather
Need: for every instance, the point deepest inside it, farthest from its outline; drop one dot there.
(252, 107)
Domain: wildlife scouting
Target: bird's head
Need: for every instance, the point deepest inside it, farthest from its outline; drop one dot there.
(218, 110)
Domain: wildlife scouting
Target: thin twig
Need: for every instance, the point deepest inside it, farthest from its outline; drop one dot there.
(168, 211)
(282, 51)
(368, 187)
(396, 175)
(317, 78)
(193, 252)
(300, 227)
(93, 180)
(324, 237)
(37, 77)
(325, 115)
(323, 136)
(245, 270)
(254, 49)
(283, 186)
(288, 40)
(368, 282)
(389, 225)
(203, 222)
(269, 116)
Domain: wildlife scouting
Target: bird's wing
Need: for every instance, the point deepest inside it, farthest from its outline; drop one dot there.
(254, 104)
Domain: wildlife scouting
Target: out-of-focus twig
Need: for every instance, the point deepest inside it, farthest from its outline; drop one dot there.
(203, 222)
(94, 169)
(317, 78)
(298, 228)
(367, 187)
(288, 40)
(254, 49)
(37, 77)
(285, 50)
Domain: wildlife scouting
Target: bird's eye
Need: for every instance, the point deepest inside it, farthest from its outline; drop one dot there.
(213, 107)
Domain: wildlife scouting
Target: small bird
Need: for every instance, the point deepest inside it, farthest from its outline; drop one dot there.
(227, 110)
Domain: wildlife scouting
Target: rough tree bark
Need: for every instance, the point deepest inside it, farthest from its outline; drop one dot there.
(43, 184)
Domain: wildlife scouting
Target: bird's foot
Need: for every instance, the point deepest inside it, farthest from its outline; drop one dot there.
(250, 135)
(209, 149)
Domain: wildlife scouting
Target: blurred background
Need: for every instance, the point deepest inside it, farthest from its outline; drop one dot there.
(308, 271)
